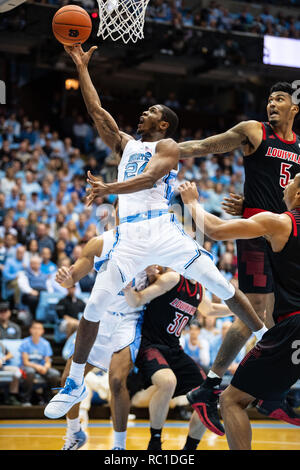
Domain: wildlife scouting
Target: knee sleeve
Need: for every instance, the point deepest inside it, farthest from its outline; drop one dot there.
(204, 271)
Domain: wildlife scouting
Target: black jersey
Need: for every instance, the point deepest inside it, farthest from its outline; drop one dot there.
(166, 316)
(268, 171)
(286, 272)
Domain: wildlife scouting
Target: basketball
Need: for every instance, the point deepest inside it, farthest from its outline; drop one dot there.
(71, 25)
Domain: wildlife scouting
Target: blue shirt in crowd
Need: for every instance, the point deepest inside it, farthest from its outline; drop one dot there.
(36, 352)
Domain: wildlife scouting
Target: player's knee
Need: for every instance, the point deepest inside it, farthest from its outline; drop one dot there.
(116, 382)
(165, 381)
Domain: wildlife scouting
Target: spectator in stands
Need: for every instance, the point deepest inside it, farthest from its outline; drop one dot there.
(10, 243)
(8, 182)
(31, 282)
(22, 232)
(30, 185)
(47, 266)
(36, 353)
(209, 330)
(68, 310)
(7, 227)
(32, 249)
(64, 235)
(8, 329)
(197, 348)
(5, 356)
(215, 346)
(12, 267)
(43, 239)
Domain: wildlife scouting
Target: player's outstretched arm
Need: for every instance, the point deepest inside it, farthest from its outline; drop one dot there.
(163, 284)
(67, 277)
(246, 134)
(207, 308)
(104, 122)
(163, 161)
(263, 224)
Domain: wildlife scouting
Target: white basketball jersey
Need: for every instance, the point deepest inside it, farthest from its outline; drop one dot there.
(119, 304)
(135, 158)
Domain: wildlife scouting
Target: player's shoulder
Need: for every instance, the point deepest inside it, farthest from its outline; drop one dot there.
(167, 144)
(250, 124)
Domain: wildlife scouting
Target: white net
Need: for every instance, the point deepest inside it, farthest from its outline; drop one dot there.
(122, 19)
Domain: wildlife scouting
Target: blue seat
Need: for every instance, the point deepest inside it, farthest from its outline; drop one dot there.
(46, 311)
(13, 346)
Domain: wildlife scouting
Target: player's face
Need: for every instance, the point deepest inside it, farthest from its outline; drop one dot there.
(279, 107)
(149, 120)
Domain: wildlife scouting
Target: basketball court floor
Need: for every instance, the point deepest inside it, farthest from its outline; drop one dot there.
(48, 435)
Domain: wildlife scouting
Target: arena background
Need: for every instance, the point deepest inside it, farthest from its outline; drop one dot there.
(209, 61)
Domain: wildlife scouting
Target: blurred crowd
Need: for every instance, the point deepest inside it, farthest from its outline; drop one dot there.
(216, 16)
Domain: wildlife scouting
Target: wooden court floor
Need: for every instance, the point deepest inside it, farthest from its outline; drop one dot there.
(48, 435)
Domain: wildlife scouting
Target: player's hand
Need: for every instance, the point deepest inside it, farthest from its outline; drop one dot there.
(188, 192)
(78, 55)
(98, 188)
(64, 275)
(233, 205)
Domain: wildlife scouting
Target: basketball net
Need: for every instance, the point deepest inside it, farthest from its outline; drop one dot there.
(122, 19)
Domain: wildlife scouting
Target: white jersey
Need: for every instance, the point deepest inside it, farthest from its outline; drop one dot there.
(135, 158)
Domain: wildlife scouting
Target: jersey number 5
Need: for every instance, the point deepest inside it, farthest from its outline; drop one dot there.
(285, 175)
(178, 324)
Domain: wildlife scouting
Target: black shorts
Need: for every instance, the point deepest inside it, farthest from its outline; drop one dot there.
(254, 268)
(269, 370)
(154, 357)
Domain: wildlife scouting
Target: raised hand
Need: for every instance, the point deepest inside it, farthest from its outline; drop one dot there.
(80, 58)
(233, 205)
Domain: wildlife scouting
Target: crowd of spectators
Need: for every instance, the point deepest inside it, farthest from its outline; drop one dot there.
(216, 16)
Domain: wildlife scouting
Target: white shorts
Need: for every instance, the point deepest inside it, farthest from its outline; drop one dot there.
(116, 332)
(161, 240)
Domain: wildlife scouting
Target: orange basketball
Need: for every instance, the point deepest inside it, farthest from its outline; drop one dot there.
(71, 25)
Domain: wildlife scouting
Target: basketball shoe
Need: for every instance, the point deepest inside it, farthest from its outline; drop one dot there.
(205, 402)
(65, 399)
(281, 410)
(74, 440)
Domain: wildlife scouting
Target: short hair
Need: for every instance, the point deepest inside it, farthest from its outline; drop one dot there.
(195, 323)
(282, 86)
(171, 117)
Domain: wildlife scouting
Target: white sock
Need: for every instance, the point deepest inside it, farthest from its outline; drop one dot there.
(77, 372)
(73, 425)
(212, 375)
(259, 333)
(120, 439)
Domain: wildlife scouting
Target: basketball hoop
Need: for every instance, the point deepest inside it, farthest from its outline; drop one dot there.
(122, 19)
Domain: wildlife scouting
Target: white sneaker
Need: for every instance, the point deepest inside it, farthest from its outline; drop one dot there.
(75, 440)
(64, 400)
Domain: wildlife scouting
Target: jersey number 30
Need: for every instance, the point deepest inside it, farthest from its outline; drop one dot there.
(285, 175)
(178, 324)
